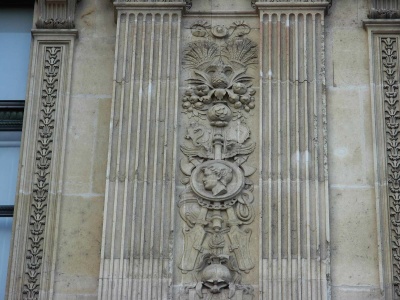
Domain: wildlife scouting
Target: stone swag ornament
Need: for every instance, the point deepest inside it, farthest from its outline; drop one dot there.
(218, 201)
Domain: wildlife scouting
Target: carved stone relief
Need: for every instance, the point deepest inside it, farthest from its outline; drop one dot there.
(384, 14)
(57, 14)
(217, 202)
(40, 189)
(388, 9)
(391, 86)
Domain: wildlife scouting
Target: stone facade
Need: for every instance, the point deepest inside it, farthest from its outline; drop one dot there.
(210, 150)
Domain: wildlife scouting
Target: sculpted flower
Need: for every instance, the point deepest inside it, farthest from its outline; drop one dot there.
(202, 90)
(239, 88)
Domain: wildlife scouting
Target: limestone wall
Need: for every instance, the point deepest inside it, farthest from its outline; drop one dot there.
(354, 241)
(343, 243)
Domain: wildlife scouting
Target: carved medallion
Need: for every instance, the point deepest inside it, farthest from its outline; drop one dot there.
(218, 201)
(217, 180)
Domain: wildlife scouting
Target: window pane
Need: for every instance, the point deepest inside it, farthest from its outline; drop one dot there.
(15, 39)
(9, 157)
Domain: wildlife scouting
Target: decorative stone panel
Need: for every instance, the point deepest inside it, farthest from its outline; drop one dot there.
(35, 230)
(217, 182)
(384, 36)
(217, 203)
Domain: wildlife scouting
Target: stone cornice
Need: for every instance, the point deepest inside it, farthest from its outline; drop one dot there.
(384, 14)
(150, 5)
(11, 115)
(382, 24)
(322, 5)
(153, 4)
(54, 32)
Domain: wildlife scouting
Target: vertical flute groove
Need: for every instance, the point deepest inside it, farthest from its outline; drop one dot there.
(129, 150)
(136, 253)
(293, 209)
(144, 262)
(288, 148)
(279, 157)
(269, 175)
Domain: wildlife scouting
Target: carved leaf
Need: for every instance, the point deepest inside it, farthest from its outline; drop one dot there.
(242, 51)
(199, 151)
(238, 149)
(199, 54)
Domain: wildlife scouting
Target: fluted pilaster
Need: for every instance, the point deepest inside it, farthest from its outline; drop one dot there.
(383, 40)
(294, 262)
(139, 209)
(35, 231)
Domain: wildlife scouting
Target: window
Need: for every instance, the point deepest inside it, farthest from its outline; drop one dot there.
(15, 39)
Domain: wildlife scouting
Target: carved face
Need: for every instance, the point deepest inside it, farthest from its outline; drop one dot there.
(220, 74)
(210, 179)
(216, 177)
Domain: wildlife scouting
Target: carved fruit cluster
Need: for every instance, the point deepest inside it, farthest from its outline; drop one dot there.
(240, 96)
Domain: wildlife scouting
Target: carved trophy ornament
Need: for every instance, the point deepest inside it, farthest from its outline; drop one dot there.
(217, 202)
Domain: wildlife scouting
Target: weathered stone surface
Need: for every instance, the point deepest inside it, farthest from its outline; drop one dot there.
(137, 222)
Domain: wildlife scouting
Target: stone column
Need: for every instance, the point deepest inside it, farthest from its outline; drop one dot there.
(139, 209)
(294, 249)
(35, 229)
(384, 47)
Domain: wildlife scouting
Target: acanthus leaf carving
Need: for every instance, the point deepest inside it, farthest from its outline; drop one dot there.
(392, 120)
(40, 191)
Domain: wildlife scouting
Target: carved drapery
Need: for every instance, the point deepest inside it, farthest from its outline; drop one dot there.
(384, 50)
(42, 155)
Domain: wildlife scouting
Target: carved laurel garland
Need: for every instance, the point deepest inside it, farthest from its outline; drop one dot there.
(392, 116)
(42, 175)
